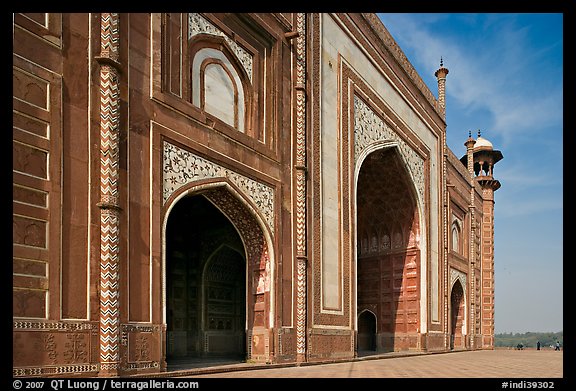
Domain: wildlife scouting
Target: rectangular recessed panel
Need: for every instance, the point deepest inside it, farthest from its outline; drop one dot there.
(26, 195)
(29, 303)
(29, 124)
(29, 160)
(28, 267)
(29, 232)
(30, 89)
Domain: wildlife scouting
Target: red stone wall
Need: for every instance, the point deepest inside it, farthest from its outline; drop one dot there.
(56, 183)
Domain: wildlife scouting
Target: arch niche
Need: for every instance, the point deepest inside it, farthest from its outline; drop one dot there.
(216, 276)
(366, 332)
(388, 253)
(457, 316)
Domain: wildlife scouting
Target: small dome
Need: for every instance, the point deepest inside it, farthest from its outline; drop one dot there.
(482, 143)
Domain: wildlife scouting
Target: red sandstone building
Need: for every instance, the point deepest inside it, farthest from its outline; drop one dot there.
(264, 187)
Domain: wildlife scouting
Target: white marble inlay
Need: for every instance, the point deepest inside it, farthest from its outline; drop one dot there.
(197, 24)
(181, 167)
(370, 128)
(219, 93)
(223, 96)
(457, 274)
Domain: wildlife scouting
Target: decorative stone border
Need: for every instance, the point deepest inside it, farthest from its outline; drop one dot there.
(370, 128)
(181, 167)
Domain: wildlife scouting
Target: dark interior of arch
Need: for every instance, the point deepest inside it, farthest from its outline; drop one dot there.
(205, 283)
(456, 315)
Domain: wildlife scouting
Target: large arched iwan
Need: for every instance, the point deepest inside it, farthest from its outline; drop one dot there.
(388, 253)
(258, 270)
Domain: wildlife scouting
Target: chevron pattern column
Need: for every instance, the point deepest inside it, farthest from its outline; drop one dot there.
(109, 204)
(301, 250)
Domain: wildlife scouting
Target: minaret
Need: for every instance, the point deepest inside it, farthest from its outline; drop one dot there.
(480, 160)
(441, 76)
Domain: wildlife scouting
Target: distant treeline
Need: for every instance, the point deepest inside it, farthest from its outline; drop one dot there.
(529, 339)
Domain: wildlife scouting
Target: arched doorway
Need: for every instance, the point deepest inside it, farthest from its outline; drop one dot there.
(366, 332)
(457, 316)
(388, 254)
(205, 284)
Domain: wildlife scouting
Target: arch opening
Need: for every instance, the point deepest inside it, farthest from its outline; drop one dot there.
(457, 307)
(205, 285)
(388, 253)
(366, 332)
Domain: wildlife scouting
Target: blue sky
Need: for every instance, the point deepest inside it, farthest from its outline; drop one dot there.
(506, 79)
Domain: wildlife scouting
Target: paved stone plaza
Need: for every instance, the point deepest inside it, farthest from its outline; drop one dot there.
(505, 364)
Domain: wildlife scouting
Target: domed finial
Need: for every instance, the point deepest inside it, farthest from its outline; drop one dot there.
(478, 132)
(441, 62)
(469, 133)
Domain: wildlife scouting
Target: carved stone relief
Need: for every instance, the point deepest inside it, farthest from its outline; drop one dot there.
(46, 347)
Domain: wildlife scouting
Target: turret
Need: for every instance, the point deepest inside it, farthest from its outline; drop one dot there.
(441, 76)
(480, 159)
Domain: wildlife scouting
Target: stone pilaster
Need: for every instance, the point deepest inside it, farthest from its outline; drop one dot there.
(472, 238)
(109, 201)
(301, 173)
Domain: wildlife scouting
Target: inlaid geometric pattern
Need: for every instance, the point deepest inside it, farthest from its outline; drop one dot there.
(109, 212)
(54, 348)
(301, 249)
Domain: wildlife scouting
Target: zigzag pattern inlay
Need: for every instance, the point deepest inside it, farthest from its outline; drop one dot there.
(301, 250)
(301, 213)
(300, 307)
(109, 213)
(109, 35)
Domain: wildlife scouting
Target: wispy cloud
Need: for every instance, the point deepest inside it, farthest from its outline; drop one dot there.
(506, 79)
(496, 71)
(516, 206)
(519, 177)
(528, 190)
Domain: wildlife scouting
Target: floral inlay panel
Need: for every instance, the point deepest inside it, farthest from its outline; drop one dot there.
(370, 128)
(457, 274)
(181, 167)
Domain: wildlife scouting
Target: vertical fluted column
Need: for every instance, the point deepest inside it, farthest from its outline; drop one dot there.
(301, 172)
(109, 202)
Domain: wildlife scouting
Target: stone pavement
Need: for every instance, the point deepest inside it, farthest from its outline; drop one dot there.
(500, 363)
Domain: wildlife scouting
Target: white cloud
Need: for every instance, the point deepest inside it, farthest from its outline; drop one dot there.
(499, 72)
(514, 207)
(521, 176)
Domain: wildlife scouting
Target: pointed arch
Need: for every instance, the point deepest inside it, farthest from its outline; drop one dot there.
(220, 84)
(458, 315)
(389, 278)
(367, 331)
(259, 255)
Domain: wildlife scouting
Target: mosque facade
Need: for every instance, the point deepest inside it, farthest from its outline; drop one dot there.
(271, 188)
